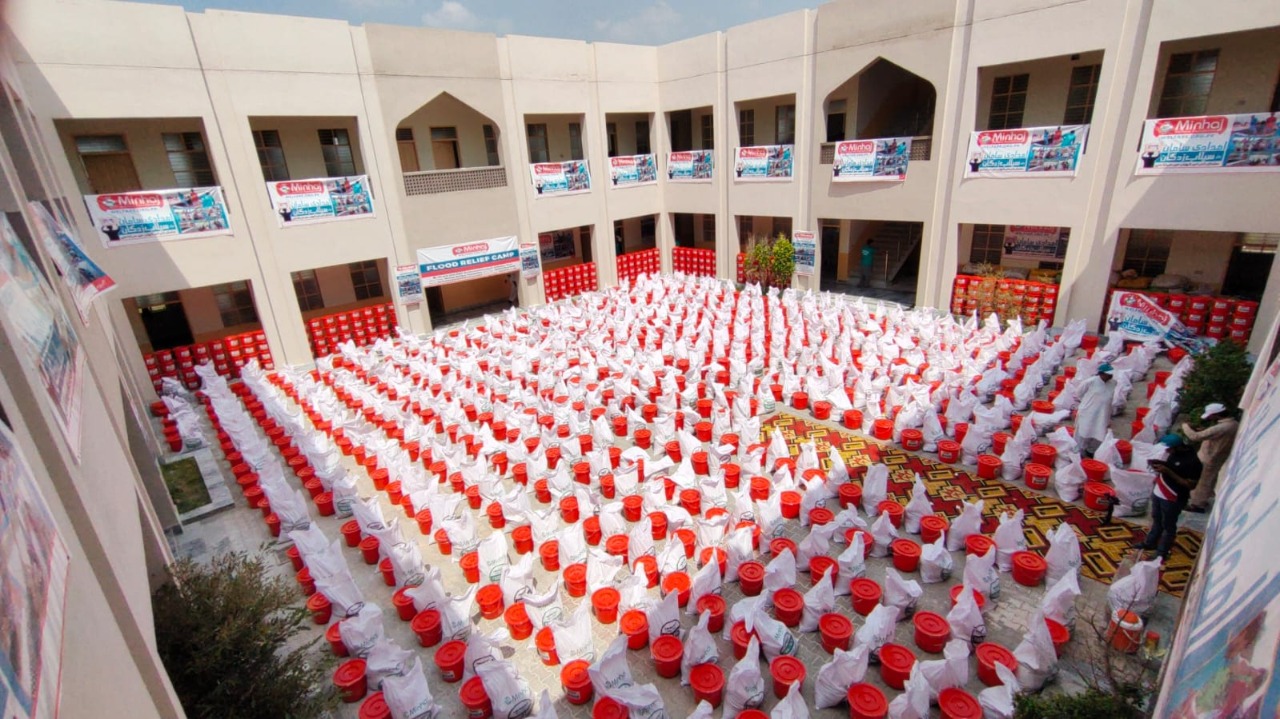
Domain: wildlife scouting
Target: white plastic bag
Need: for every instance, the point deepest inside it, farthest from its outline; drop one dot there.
(544, 609)
(878, 628)
(699, 648)
(775, 639)
(845, 669)
(901, 593)
(361, 632)
(918, 507)
(980, 574)
(913, 702)
(455, 615)
(1063, 556)
(573, 636)
(1133, 491)
(1059, 602)
(936, 562)
(482, 648)
(745, 687)
(408, 695)
(611, 670)
(966, 619)
(492, 553)
(738, 546)
(385, 659)
(546, 708)
(883, 533)
(778, 573)
(819, 600)
(1009, 539)
(950, 671)
(817, 542)
(1037, 659)
(1137, 592)
(852, 563)
(706, 581)
(792, 705)
(969, 522)
(664, 617)
(642, 701)
(997, 701)
(875, 488)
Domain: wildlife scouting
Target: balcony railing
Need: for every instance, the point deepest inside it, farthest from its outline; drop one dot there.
(435, 182)
(921, 150)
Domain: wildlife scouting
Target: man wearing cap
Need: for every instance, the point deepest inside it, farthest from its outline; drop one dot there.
(1175, 477)
(1093, 418)
(1215, 445)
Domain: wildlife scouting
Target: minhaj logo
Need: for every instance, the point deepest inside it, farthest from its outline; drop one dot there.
(1212, 125)
(299, 188)
(129, 202)
(622, 161)
(468, 249)
(754, 152)
(1003, 137)
(855, 148)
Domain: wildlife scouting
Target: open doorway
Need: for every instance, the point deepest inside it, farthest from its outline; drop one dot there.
(164, 320)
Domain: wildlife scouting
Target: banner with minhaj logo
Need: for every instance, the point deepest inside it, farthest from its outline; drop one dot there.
(126, 218)
(468, 261)
(321, 199)
(1038, 151)
(1211, 143)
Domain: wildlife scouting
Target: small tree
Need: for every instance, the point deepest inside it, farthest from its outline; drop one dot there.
(222, 630)
(1217, 375)
(770, 261)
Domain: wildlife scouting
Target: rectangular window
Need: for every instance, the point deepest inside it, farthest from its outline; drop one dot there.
(611, 132)
(988, 244)
(1187, 83)
(1008, 100)
(708, 133)
(270, 155)
(642, 137)
(1081, 94)
(408, 149)
(365, 279)
(444, 148)
(335, 145)
(746, 230)
(107, 163)
(537, 135)
(188, 159)
(785, 126)
(708, 229)
(746, 128)
(835, 121)
(307, 287)
(491, 146)
(782, 226)
(1147, 252)
(575, 141)
(235, 303)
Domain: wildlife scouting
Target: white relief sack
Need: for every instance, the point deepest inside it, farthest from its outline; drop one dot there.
(1037, 659)
(792, 705)
(883, 533)
(430, 594)
(878, 628)
(901, 593)
(745, 687)
(664, 617)
(980, 573)
(778, 573)
(819, 600)
(1063, 556)
(673, 558)
(509, 694)
(816, 543)
(544, 609)
(699, 648)
(845, 669)
(361, 632)
(573, 545)
(492, 553)
(408, 695)
(969, 522)
(706, 581)
(1009, 539)
(1059, 602)
(936, 562)
(640, 539)
(913, 702)
(738, 547)
(611, 671)
(950, 671)
(875, 488)
(573, 636)
(997, 701)
(455, 615)
(1133, 491)
(1068, 479)
(481, 649)
(966, 619)
(918, 508)
(852, 563)
(642, 701)
(1136, 592)
(386, 658)
(517, 580)
(602, 567)
(775, 639)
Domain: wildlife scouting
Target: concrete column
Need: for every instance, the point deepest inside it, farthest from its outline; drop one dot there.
(516, 150)
(727, 240)
(805, 151)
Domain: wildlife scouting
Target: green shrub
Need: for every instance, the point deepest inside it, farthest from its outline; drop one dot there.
(223, 631)
(1218, 375)
(1090, 704)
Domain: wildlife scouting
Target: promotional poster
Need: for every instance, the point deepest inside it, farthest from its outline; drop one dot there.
(127, 218)
(691, 166)
(409, 285)
(560, 178)
(468, 261)
(1032, 242)
(33, 591)
(82, 276)
(883, 160)
(1137, 318)
(768, 163)
(805, 249)
(1214, 143)
(1041, 151)
(530, 264)
(322, 199)
(633, 170)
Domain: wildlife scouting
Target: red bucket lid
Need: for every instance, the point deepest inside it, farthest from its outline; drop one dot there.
(574, 674)
(788, 600)
(867, 701)
(897, 658)
(472, 693)
(375, 707)
(677, 582)
(607, 708)
(989, 459)
(787, 669)
(425, 620)
(905, 547)
(667, 648)
(1030, 561)
(836, 626)
(633, 622)
(549, 548)
(931, 624)
(605, 597)
(488, 594)
(739, 634)
(935, 521)
(751, 571)
(349, 672)
(958, 704)
(451, 652)
(864, 588)
(706, 678)
(991, 654)
(711, 602)
(575, 573)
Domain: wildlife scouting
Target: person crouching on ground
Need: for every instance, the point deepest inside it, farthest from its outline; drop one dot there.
(1176, 475)
(1093, 418)
(1215, 446)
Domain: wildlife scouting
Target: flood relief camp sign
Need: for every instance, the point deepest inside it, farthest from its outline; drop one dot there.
(1213, 143)
(126, 218)
(468, 261)
(1040, 151)
(871, 160)
(690, 166)
(323, 199)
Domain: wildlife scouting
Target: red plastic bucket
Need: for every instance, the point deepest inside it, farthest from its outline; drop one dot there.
(575, 580)
(864, 594)
(931, 527)
(978, 597)
(545, 642)
(853, 419)
(550, 554)
(1098, 496)
(740, 638)
(489, 599)
(850, 495)
(707, 681)
(667, 651)
(715, 604)
(822, 409)
(989, 466)
(896, 511)
(954, 703)
(978, 545)
(351, 681)
(1043, 454)
(866, 702)
(604, 602)
(751, 578)
(895, 665)
(518, 622)
(1036, 476)
(836, 630)
(617, 546)
(475, 699)
(818, 565)
(679, 583)
(1029, 568)
(648, 564)
(404, 604)
(426, 624)
(989, 654)
(449, 659)
(948, 451)
(320, 608)
(788, 606)
(800, 400)
(351, 533)
(933, 632)
(999, 440)
(790, 501)
(470, 564)
(576, 682)
(1059, 634)
(906, 555)
(778, 545)
(635, 625)
(882, 429)
(333, 635)
(1094, 471)
(786, 670)
(522, 538)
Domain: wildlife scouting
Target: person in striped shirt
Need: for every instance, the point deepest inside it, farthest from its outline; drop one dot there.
(1176, 476)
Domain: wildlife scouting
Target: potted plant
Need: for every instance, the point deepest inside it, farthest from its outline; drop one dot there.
(770, 261)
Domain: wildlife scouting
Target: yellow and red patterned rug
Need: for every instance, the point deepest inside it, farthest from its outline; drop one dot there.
(1102, 546)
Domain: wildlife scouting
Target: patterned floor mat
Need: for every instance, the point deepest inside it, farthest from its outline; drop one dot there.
(1102, 546)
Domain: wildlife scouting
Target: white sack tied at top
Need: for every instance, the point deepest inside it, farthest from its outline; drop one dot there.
(1063, 556)
(936, 562)
(1137, 591)
(846, 668)
(1059, 602)
(981, 574)
(968, 523)
(950, 671)
(1009, 539)
(775, 639)
(878, 628)
(883, 533)
(913, 702)
(611, 671)
(819, 600)
(699, 647)
(901, 593)
(745, 687)
(875, 488)
(509, 694)
(408, 695)
(966, 619)
(1037, 658)
(918, 507)
(481, 649)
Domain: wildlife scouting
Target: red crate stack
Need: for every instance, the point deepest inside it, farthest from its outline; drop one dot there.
(568, 281)
(693, 261)
(363, 326)
(227, 355)
(742, 268)
(1036, 300)
(1218, 318)
(634, 264)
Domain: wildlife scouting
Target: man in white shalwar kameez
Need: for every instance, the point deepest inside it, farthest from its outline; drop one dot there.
(1093, 417)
